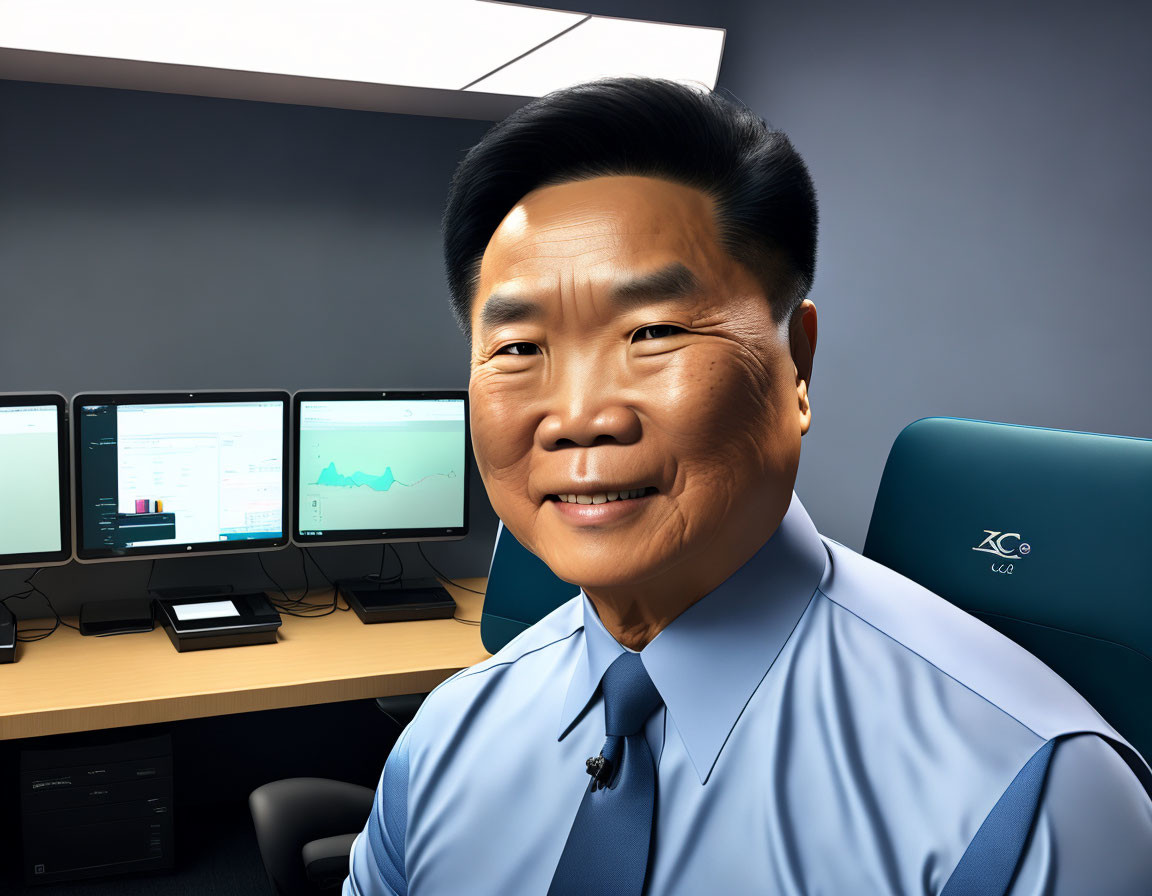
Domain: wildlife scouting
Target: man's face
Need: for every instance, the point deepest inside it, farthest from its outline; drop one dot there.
(617, 346)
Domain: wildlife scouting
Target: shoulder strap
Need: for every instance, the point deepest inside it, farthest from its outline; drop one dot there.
(987, 866)
(388, 822)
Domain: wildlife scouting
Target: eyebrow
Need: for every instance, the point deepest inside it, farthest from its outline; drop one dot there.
(672, 283)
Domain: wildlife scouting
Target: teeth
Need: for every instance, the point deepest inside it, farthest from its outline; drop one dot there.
(602, 497)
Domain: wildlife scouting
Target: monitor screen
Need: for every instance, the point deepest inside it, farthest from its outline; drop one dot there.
(35, 525)
(177, 474)
(380, 466)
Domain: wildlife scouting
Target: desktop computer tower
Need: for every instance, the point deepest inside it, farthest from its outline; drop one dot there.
(96, 811)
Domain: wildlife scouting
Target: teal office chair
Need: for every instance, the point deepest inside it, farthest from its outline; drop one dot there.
(521, 591)
(1045, 535)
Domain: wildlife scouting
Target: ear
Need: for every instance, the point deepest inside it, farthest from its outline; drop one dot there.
(802, 330)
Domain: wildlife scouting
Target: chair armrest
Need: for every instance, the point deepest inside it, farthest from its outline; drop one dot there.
(295, 811)
(326, 860)
(402, 706)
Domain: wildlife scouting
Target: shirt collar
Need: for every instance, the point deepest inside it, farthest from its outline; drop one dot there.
(709, 660)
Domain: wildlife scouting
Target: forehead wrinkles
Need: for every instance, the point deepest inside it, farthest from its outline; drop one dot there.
(566, 268)
(567, 244)
(573, 296)
(522, 247)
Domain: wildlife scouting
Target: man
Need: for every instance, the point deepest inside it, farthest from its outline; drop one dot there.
(733, 703)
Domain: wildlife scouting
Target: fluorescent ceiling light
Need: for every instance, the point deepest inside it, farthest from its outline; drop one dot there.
(601, 47)
(430, 43)
(484, 47)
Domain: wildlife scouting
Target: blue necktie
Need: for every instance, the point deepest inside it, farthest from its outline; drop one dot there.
(607, 849)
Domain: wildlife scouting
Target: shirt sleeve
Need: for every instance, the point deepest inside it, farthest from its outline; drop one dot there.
(1093, 828)
(376, 865)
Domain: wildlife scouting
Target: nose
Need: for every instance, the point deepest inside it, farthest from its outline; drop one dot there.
(609, 425)
(588, 410)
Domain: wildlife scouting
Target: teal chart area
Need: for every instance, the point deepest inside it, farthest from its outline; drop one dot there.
(382, 478)
(331, 476)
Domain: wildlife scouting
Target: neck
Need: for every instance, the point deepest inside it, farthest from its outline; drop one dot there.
(635, 613)
(634, 623)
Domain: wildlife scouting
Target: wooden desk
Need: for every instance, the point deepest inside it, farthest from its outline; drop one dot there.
(69, 682)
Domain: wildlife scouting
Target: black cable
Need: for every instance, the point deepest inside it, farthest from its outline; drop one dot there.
(45, 632)
(293, 603)
(40, 632)
(379, 576)
(326, 612)
(302, 602)
(304, 569)
(420, 548)
(47, 600)
(18, 594)
(290, 605)
(327, 609)
(268, 576)
(329, 580)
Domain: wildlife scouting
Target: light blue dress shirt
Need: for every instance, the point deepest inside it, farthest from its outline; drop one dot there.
(829, 727)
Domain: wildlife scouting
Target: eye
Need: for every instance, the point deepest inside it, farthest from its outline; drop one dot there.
(658, 331)
(520, 346)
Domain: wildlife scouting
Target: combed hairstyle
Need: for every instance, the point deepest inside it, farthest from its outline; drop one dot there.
(765, 201)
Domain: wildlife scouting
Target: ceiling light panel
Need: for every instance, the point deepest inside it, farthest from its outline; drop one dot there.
(604, 47)
(421, 43)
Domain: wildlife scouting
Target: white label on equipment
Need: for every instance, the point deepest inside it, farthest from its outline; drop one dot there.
(210, 610)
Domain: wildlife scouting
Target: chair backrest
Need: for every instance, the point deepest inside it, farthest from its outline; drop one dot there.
(1044, 534)
(521, 590)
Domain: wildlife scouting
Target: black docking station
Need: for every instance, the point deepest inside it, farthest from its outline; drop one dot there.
(397, 601)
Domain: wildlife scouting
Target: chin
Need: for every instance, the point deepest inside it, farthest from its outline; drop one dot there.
(592, 572)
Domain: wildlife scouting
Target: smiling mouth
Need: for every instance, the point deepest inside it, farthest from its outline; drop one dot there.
(603, 497)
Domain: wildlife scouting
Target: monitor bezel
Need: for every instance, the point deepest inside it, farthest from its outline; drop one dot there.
(196, 549)
(377, 536)
(37, 559)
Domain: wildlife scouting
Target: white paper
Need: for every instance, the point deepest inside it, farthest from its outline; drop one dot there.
(210, 610)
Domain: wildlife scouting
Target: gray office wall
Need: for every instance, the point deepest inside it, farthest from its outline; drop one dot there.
(982, 173)
(150, 241)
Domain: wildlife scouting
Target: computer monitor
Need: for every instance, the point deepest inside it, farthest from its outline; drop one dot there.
(180, 474)
(35, 523)
(377, 466)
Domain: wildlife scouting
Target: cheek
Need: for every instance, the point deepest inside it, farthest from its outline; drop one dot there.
(501, 435)
(723, 402)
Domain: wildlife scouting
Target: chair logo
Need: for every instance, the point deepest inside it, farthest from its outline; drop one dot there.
(994, 543)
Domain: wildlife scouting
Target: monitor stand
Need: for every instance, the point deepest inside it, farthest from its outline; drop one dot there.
(400, 601)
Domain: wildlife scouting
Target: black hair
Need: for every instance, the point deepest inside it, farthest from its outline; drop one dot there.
(765, 201)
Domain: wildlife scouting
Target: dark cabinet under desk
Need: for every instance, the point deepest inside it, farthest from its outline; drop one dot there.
(96, 811)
